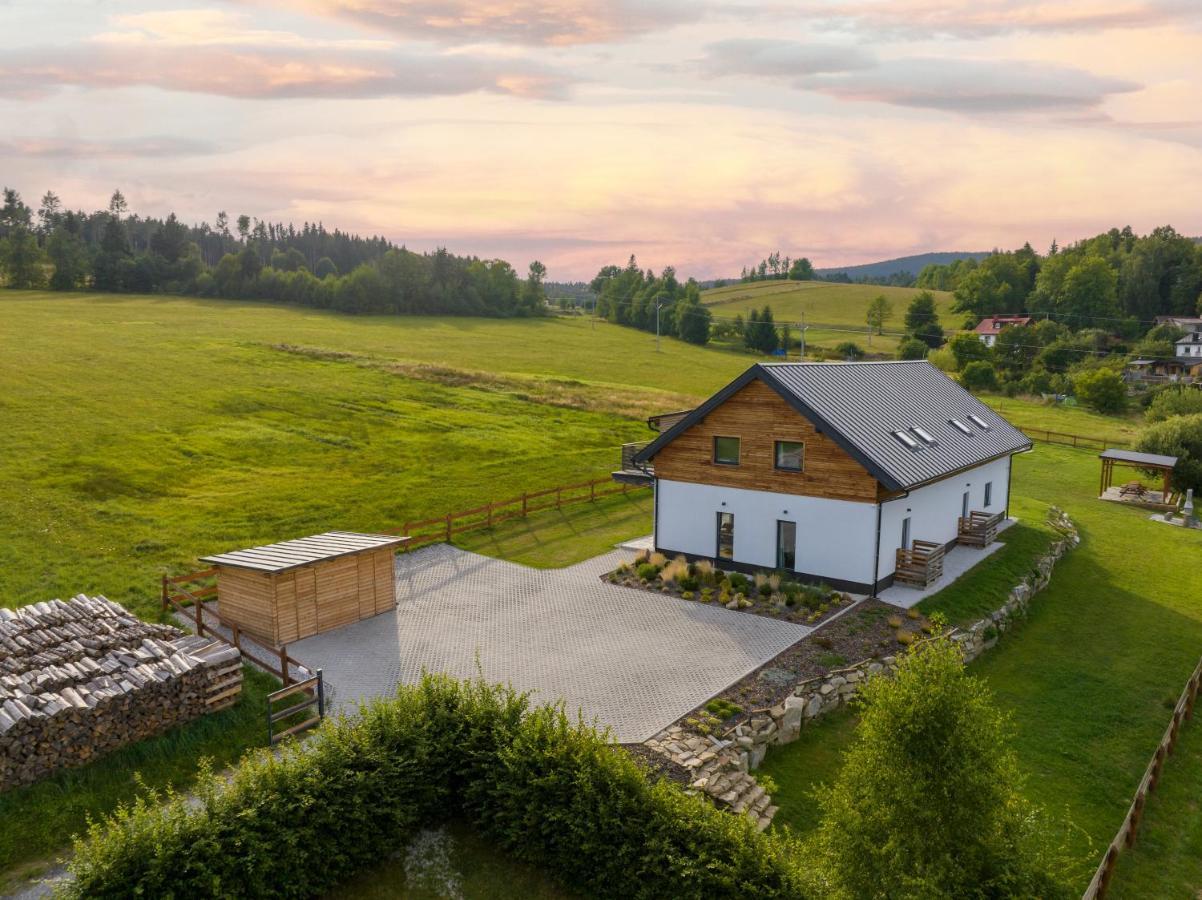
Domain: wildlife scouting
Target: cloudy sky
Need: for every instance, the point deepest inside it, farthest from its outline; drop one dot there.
(697, 133)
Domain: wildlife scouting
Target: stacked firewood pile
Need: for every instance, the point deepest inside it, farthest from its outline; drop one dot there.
(82, 678)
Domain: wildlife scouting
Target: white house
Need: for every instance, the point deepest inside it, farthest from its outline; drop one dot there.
(991, 326)
(827, 469)
(1190, 346)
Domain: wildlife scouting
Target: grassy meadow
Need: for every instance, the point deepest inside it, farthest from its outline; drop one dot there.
(825, 304)
(143, 432)
(1089, 679)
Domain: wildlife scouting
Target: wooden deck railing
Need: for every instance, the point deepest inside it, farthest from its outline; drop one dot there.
(190, 603)
(443, 528)
(921, 565)
(979, 528)
(1125, 838)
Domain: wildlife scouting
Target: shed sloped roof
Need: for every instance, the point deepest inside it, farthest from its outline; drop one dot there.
(860, 405)
(1155, 460)
(303, 551)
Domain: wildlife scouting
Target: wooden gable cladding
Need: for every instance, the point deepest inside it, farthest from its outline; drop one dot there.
(759, 417)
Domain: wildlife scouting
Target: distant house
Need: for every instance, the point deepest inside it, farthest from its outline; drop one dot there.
(1190, 346)
(826, 470)
(991, 326)
(1185, 323)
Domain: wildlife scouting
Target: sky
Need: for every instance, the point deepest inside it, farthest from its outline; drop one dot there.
(695, 133)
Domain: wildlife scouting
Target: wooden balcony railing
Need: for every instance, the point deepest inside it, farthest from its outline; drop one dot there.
(921, 565)
(628, 453)
(979, 529)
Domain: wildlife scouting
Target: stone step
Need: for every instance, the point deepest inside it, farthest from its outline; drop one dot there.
(761, 804)
(748, 798)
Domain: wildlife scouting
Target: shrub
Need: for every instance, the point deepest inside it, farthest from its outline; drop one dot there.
(1174, 402)
(1101, 389)
(849, 350)
(723, 708)
(904, 637)
(760, 580)
(824, 642)
(687, 583)
(686, 595)
(946, 817)
(648, 571)
(894, 621)
(739, 583)
(675, 571)
(657, 559)
(1180, 436)
(979, 375)
(939, 620)
(912, 348)
(913, 613)
(546, 789)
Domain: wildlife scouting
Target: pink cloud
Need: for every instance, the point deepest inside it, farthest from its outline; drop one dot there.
(553, 22)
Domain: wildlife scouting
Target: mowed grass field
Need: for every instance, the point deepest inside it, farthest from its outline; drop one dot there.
(1089, 679)
(140, 433)
(823, 303)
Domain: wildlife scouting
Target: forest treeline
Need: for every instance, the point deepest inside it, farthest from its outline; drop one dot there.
(116, 250)
(657, 303)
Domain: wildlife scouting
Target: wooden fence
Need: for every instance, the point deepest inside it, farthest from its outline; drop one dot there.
(1082, 441)
(444, 528)
(1127, 831)
(314, 702)
(189, 602)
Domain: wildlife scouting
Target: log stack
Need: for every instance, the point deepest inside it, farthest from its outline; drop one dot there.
(79, 679)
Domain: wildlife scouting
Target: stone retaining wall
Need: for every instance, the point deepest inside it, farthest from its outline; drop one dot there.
(80, 679)
(743, 748)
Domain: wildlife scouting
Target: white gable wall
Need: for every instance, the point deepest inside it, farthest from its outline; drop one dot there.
(934, 509)
(835, 538)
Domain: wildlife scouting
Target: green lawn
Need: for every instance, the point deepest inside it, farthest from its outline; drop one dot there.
(141, 433)
(37, 821)
(1166, 860)
(1025, 412)
(561, 537)
(1091, 677)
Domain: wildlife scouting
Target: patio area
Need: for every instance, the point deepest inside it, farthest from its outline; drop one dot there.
(956, 562)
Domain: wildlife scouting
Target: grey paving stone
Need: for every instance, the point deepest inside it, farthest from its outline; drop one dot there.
(628, 659)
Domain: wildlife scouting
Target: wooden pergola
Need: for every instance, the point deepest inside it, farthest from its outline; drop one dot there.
(1147, 462)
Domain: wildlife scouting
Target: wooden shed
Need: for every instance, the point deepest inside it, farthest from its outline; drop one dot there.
(283, 592)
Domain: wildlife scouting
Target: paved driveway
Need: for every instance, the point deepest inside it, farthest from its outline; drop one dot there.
(632, 660)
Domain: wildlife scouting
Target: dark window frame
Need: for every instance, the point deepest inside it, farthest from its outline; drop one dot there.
(718, 536)
(776, 457)
(780, 551)
(738, 449)
(988, 494)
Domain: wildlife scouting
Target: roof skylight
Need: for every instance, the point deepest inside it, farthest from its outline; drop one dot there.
(906, 439)
(977, 420)
(960, 426)
(923, 434)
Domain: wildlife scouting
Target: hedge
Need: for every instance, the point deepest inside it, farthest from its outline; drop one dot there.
(548, 791)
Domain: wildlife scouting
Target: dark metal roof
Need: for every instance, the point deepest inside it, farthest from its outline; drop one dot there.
(860, 405)
(303, 551)
(1154, 460)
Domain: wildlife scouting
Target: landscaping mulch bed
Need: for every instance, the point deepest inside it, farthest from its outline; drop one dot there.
(861, 633)
(656, 765)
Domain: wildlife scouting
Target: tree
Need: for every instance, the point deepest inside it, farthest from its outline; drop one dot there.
(929, 799)
(912, 348)
(118, 205)
(967, 347)
(880, 310)
(999, 284)
(801, 270)
(850, 350)
(979, 375)
(1101, 389)
(1179, 436)
(21, 259)
(243, 228)
(108, 267)
(759, 334)
(49, 214)
(170, 241)
(70, 259)
(1013, 350)
(325, 266)
(14, 213)
(922, 320)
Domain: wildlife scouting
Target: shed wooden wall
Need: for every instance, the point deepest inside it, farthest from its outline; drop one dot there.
(759, 417)
(288, 606)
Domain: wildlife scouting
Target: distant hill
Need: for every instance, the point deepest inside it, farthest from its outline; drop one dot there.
(911, 264)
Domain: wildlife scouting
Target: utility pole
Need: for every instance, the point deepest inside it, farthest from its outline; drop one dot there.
(802, 327)
(658, 306)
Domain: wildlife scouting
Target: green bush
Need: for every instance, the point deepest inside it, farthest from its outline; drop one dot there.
(912, 348)
(979, 375)
(687, 583)
(1179, 436)
(1101, 389)
(740, 583)
(648, 572)
(1174, 402)
(549, 791)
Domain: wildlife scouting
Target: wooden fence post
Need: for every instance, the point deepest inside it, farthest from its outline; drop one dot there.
(237, 639)
(284, 664)
(523, 504)
(489, 519)
(1137, 813)
(164, 591)
(592, 491)
(198, 608)
(558, 494)
(449, 527)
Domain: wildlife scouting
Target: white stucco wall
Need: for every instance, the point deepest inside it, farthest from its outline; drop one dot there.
(934, 509)
(835, 538)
